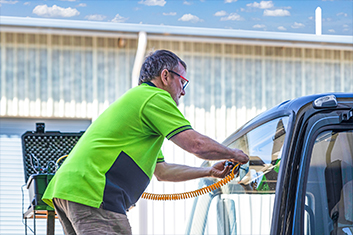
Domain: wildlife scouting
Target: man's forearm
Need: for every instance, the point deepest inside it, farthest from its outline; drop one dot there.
(206, 148)
(176, 173)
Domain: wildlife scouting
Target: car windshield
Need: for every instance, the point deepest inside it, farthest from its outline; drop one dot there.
(245, 205)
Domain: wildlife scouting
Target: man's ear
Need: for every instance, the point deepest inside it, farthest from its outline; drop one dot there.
(164, 76)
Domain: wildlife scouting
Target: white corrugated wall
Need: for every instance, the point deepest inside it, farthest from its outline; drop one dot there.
(59, 76)
(12, 202)
(62, 76)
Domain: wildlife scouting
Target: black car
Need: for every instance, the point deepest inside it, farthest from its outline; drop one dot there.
(299, 179)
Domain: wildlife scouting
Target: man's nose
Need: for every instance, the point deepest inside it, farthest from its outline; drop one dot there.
(183, 92)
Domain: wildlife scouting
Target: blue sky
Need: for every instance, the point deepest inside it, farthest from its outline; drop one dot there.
(276, 15)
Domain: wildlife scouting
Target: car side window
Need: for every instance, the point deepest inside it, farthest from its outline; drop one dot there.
(264, 148)
(329, 190)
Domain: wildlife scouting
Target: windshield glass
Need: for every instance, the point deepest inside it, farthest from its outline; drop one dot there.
(329, 190)
(244, 206)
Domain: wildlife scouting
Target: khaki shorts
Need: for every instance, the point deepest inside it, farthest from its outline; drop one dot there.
(81, 219)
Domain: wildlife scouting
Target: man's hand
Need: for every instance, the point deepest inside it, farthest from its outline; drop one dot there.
(220, 170)
(241, 157)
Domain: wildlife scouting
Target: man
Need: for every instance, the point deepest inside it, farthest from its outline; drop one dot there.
(113, 162)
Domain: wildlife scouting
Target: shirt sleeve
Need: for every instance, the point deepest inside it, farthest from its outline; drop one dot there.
(160, 157)
(162, 116)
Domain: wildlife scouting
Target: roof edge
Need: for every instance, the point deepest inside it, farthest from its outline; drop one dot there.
(170, 30)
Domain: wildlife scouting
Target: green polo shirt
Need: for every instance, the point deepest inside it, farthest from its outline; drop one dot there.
(114, 160)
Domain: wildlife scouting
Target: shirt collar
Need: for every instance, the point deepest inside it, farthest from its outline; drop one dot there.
(150, 84)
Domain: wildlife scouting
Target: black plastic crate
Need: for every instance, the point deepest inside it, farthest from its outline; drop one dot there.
(41, 149)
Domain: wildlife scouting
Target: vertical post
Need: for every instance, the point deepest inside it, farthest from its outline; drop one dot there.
(318, 21)
(143, 216)
(25, 225)
(50, 222)
(95, 109)
(139, 57)
(34, 221)
(140, 54)
(4, 92)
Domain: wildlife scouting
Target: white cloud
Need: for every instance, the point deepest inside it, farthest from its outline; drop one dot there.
(82, 5)
(232, 16)
(342, 14)
(7, 2)
(95, 17)
(297, 25)
(153, 2)
(331, 30)
(345, 27)
(27, 3)
(191, 18)
(55, 11)
(311, 17)
(119, 19)
(277, 12)
(220, 13)
(261, 5)
(281, 28)
(229, 1)
(256, 19)
(259, 26)
(187, 3)
(169, 13)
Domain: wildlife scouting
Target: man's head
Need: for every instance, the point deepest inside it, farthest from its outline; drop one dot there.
(166, 70)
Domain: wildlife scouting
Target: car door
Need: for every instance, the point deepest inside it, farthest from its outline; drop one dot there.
(324, 194)
(245, 205)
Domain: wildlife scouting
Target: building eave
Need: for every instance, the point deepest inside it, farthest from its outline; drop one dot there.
(196, 34)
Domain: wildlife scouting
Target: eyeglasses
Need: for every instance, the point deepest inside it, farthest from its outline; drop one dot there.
(185, 83)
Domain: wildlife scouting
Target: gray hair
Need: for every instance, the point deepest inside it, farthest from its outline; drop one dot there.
(156, 62)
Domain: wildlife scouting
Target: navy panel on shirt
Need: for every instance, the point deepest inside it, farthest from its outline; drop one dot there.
(125, 183)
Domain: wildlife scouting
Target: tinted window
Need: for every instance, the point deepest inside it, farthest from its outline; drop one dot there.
(264, 147)
(329, 193)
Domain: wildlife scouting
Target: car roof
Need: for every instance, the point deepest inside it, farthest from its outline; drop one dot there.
(285, 108)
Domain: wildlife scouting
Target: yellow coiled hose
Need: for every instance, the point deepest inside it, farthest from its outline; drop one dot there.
(191, 194)
(186, 195)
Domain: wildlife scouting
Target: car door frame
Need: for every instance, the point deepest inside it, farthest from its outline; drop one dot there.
(316, 125)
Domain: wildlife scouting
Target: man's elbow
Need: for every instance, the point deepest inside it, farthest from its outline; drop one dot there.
(159, 177)
(160, 172)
